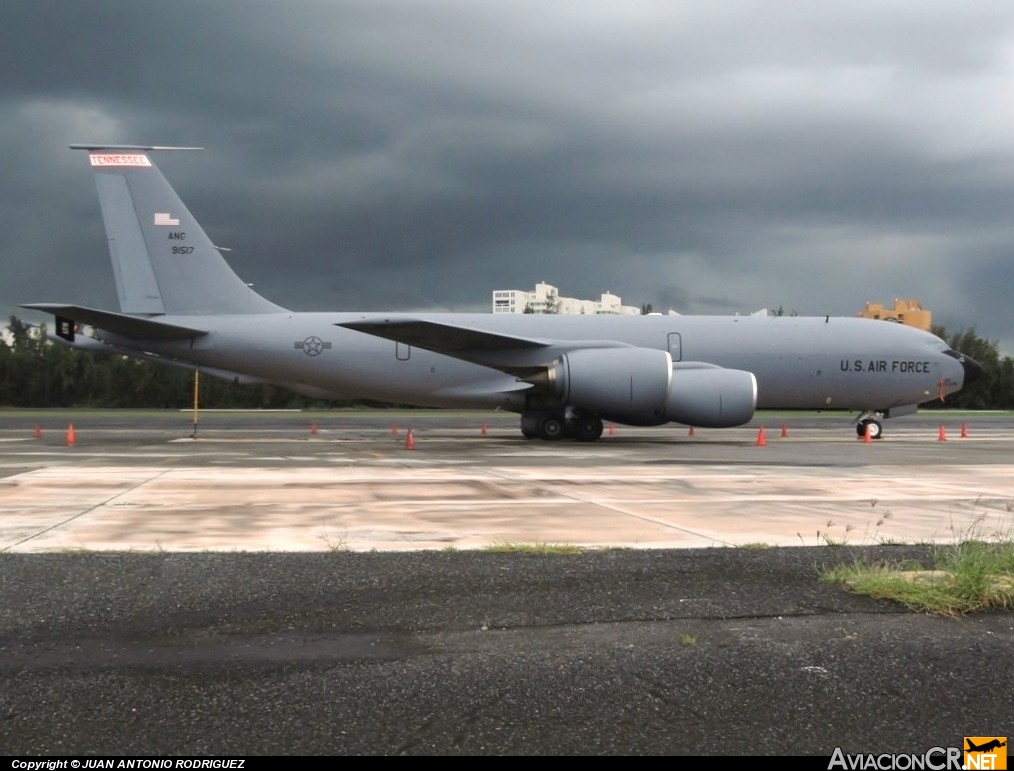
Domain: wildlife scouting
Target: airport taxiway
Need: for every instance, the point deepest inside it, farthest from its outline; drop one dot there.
(291, 481)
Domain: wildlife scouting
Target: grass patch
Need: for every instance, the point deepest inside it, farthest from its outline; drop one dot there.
(335, 543)
(972, 575)
(514, 547)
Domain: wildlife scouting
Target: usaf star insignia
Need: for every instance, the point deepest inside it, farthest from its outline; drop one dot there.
(313, 346)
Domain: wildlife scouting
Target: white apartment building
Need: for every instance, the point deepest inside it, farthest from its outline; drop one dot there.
(546, 299)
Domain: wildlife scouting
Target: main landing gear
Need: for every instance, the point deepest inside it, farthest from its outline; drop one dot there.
(551, 425)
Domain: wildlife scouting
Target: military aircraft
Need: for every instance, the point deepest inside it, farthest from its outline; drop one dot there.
(181, 304)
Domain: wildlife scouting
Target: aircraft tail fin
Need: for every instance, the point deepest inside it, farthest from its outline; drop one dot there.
(163, 261)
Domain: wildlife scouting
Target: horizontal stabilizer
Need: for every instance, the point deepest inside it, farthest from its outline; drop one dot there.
(136, 327)
(131, 147)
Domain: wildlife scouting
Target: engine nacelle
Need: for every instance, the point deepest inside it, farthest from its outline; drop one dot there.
(629, 385)
(712, 397)
(640, 387)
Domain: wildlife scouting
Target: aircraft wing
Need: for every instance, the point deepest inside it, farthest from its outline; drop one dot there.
(520, 356)
(137, 327)
(448, 339)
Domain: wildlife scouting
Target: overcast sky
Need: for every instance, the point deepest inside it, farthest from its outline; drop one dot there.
(708, 157)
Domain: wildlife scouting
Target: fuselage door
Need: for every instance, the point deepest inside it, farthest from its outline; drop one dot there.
(675, 346)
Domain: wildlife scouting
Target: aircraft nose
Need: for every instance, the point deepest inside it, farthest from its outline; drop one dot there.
(973, 370)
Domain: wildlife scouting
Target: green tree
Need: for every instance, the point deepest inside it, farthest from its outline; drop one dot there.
(995, 389)
(20, 336)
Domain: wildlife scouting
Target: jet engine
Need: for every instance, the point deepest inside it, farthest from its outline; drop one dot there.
(640, 386)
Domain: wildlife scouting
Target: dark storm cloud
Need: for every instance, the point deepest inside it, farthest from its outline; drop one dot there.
(709, 157)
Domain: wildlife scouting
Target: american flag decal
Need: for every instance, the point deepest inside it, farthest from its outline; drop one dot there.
(164, 218)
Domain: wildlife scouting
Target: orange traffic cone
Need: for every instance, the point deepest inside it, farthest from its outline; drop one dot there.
(313, 429)
(409, 440)
(942, 434)
(70, 435)
(867, 436)
(483, 429)
(761, 440)
(785, 430)
(38, 431)
(964, 431)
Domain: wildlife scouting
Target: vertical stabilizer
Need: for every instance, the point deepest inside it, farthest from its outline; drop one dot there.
(163, 261)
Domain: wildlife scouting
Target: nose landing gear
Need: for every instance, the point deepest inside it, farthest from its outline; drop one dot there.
(869, 424)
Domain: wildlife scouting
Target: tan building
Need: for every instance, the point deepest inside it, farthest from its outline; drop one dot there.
(908, 312)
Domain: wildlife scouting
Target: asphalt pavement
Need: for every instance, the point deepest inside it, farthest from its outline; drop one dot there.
(616, 652)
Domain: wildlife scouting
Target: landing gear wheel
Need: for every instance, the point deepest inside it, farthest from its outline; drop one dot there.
(587, 428)
(869, 424)
(530, 426)
(551, 428)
